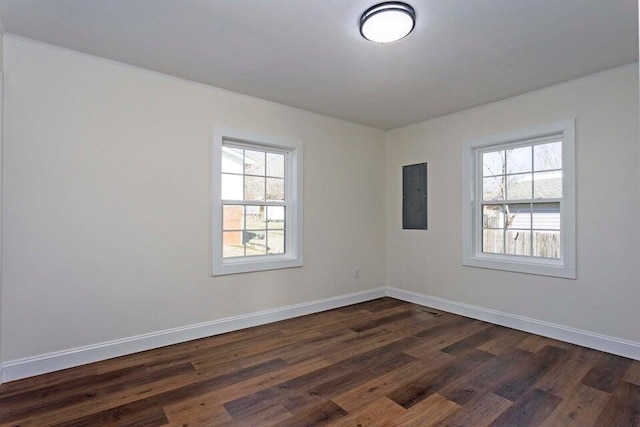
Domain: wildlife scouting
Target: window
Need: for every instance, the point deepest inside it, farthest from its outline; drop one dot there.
(519, 201)
(257, 203)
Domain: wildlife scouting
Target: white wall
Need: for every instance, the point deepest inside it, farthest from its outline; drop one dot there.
(604, 299)
(106, 203)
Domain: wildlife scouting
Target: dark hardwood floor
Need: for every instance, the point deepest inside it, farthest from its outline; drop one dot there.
(382, 363)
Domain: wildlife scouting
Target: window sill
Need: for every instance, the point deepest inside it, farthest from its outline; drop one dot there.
(244, 265)
(549, 268)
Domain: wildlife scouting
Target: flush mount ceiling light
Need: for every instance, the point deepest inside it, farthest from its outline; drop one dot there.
(387, 22)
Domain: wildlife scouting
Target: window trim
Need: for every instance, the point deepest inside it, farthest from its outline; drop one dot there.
(293, 195)
(472, 256)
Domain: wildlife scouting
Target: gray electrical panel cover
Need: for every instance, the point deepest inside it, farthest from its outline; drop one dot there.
(414, 197)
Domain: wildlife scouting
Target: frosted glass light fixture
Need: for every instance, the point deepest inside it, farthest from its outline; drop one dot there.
(387, 22)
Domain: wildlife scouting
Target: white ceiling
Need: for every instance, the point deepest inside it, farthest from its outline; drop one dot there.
(309, 53)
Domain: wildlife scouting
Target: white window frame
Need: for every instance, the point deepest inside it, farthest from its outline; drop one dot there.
(472, 254)
(293, 196)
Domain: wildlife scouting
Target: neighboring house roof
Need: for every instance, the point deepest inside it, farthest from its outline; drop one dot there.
(548, 187)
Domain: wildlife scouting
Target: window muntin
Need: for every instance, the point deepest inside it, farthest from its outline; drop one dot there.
(257, 202)
(519, 201)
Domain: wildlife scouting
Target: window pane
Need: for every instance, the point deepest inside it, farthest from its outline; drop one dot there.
(255, 218)
(493, 163)
(519, 160)
(275, 217)
(493, 241)
(493, 188)
(546, 244)
(232, 160)
(231, 187)
(255, 242)
(546, 216)
(275, 189)
(232, 217)
(275, 165)
(518, 242)
(519, 186)
(254, 162)
(275, 242)
(254, 188)
(547, 185)
(492, 216)
(518, 215)
(547, 156)
(232, 245)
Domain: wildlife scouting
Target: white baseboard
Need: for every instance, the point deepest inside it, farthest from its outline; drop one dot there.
(31, 366)
(600, 342)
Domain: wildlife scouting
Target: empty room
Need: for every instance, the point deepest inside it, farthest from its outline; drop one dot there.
(313, 212)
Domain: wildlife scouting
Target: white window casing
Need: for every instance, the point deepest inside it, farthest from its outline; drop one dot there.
(472, 221)
(293, 202)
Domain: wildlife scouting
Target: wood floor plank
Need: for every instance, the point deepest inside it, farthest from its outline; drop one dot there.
(478, 412)
(321, 415)
(607, 373)
(298, 386)
(474, 340)
(337, 344)
(427, 413)
(503, 342)
(90, 406)
(14, 398)
(382, 304)
(563, 379)
(200, 387)
(227, 354)
(60, 399)
(140, 398)
(372, 340)
(580, 410)
(274, 415)
(153, 416)
(205, 413)
(318, 321)
(529, 410)
(380, 412)
(486, 377)
(443, 335)
(371, 324)
(366, 371)
(66, 376)
(90, 420)
(535, 343)
(423, 387)
(216, 399)
(292, 351)
(357, 397)
(382, 362)
(633, 373)
(520, 380)
(623, 408)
